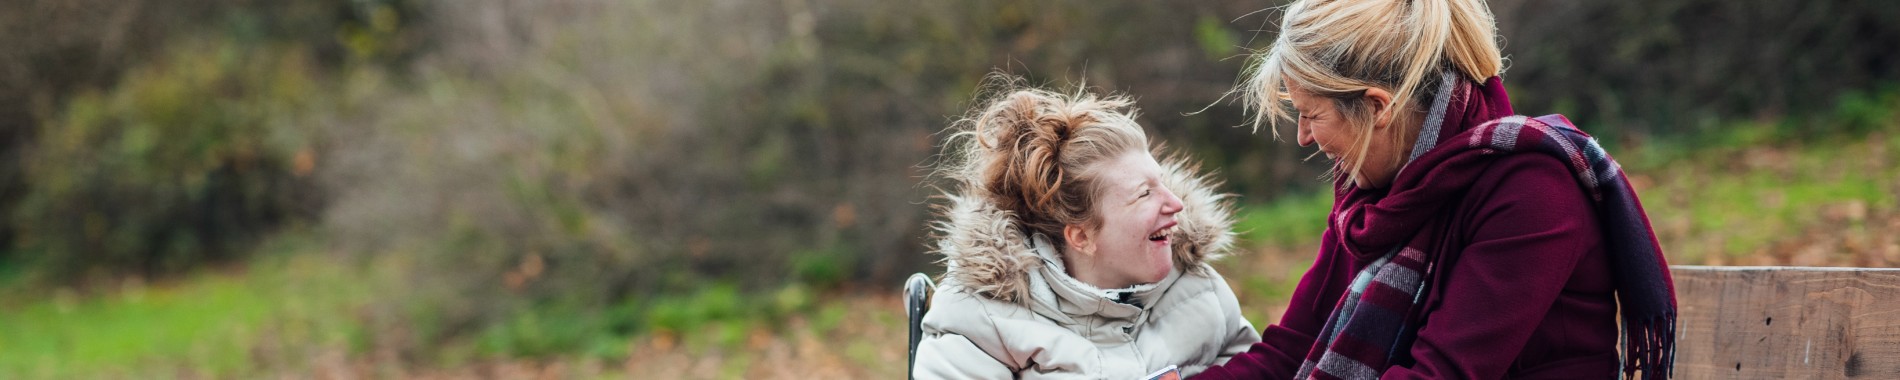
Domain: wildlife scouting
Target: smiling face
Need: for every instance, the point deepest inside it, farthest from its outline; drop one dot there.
(1133, 242)
(1371, 162)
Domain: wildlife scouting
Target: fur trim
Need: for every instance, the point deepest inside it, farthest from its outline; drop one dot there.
(986, 251)
(1206, 221)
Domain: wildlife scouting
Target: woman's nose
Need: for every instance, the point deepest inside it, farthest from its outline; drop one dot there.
(1304, 134)
(1170, 204)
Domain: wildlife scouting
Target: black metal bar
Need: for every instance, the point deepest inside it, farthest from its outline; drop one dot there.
(916, 301)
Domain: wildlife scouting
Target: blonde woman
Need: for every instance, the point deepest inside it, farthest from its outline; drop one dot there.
(1072, 252)
(1464, 242)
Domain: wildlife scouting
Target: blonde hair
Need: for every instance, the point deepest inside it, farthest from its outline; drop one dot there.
(1034, 152)
(1338, 49)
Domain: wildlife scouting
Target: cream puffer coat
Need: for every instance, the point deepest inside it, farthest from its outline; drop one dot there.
(1005, 308)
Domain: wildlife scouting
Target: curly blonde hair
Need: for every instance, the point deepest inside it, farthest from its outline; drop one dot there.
(1034, 152)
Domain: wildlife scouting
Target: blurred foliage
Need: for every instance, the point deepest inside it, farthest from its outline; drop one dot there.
(1643, 68)
(184, 163)
(91, 65)
(534, 178)
(646, 149)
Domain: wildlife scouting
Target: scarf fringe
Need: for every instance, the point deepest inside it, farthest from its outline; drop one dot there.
(1649, 345)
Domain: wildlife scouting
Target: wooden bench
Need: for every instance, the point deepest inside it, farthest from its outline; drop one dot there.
(1787, 322)
(1744, 322)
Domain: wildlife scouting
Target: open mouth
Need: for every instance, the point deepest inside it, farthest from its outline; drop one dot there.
(1161, 235)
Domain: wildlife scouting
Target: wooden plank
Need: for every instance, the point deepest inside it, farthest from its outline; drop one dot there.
(1787, 322)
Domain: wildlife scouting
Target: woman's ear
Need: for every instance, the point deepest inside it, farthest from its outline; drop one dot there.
(1381, 102)
(1079, 239)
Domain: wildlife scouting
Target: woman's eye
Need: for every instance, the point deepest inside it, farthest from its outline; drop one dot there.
(1144, 193)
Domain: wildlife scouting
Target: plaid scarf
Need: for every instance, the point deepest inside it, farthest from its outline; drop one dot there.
(1369, 327)
(1372, 326)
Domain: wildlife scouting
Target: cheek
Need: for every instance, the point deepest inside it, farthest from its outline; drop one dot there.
(1142, 259)
(1128, 235)
(1326, 133)
(1341, 141)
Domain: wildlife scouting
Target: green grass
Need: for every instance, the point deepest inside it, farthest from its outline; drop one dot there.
(716, 317)
(216, 323)
(1286, 222)
(1745, 188)
(1737, 202)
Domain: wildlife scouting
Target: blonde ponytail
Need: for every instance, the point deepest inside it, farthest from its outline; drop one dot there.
(1339, 48)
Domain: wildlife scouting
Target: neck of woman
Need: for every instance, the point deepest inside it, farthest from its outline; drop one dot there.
(1088, 270)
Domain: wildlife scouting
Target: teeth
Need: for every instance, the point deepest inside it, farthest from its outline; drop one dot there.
(1162, 233)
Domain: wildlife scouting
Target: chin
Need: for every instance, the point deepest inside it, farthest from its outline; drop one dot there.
(1161, 270)
(1366, 185)
(1158, 276)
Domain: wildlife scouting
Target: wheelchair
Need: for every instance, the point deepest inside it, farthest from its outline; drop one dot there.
(917, 291)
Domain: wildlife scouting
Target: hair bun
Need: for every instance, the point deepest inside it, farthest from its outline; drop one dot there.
(1029, 150)
(1028, 132)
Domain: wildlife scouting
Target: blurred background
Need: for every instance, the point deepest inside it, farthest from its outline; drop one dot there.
(734, 189)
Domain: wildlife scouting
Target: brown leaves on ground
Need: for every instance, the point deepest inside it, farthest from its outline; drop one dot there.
(868, 342)
(1848, 235)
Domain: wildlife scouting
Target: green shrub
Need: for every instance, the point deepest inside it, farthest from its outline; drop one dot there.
(820, 268)
(57, 50)
(189, 160)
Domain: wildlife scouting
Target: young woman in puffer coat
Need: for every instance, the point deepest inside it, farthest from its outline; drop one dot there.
(1071, 252)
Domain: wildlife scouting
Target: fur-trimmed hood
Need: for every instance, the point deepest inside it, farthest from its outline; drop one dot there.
(987, 251)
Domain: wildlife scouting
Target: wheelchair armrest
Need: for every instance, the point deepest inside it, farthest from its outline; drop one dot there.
(916, 301)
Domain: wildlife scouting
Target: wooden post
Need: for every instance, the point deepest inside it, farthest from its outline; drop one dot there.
(1787, 322)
